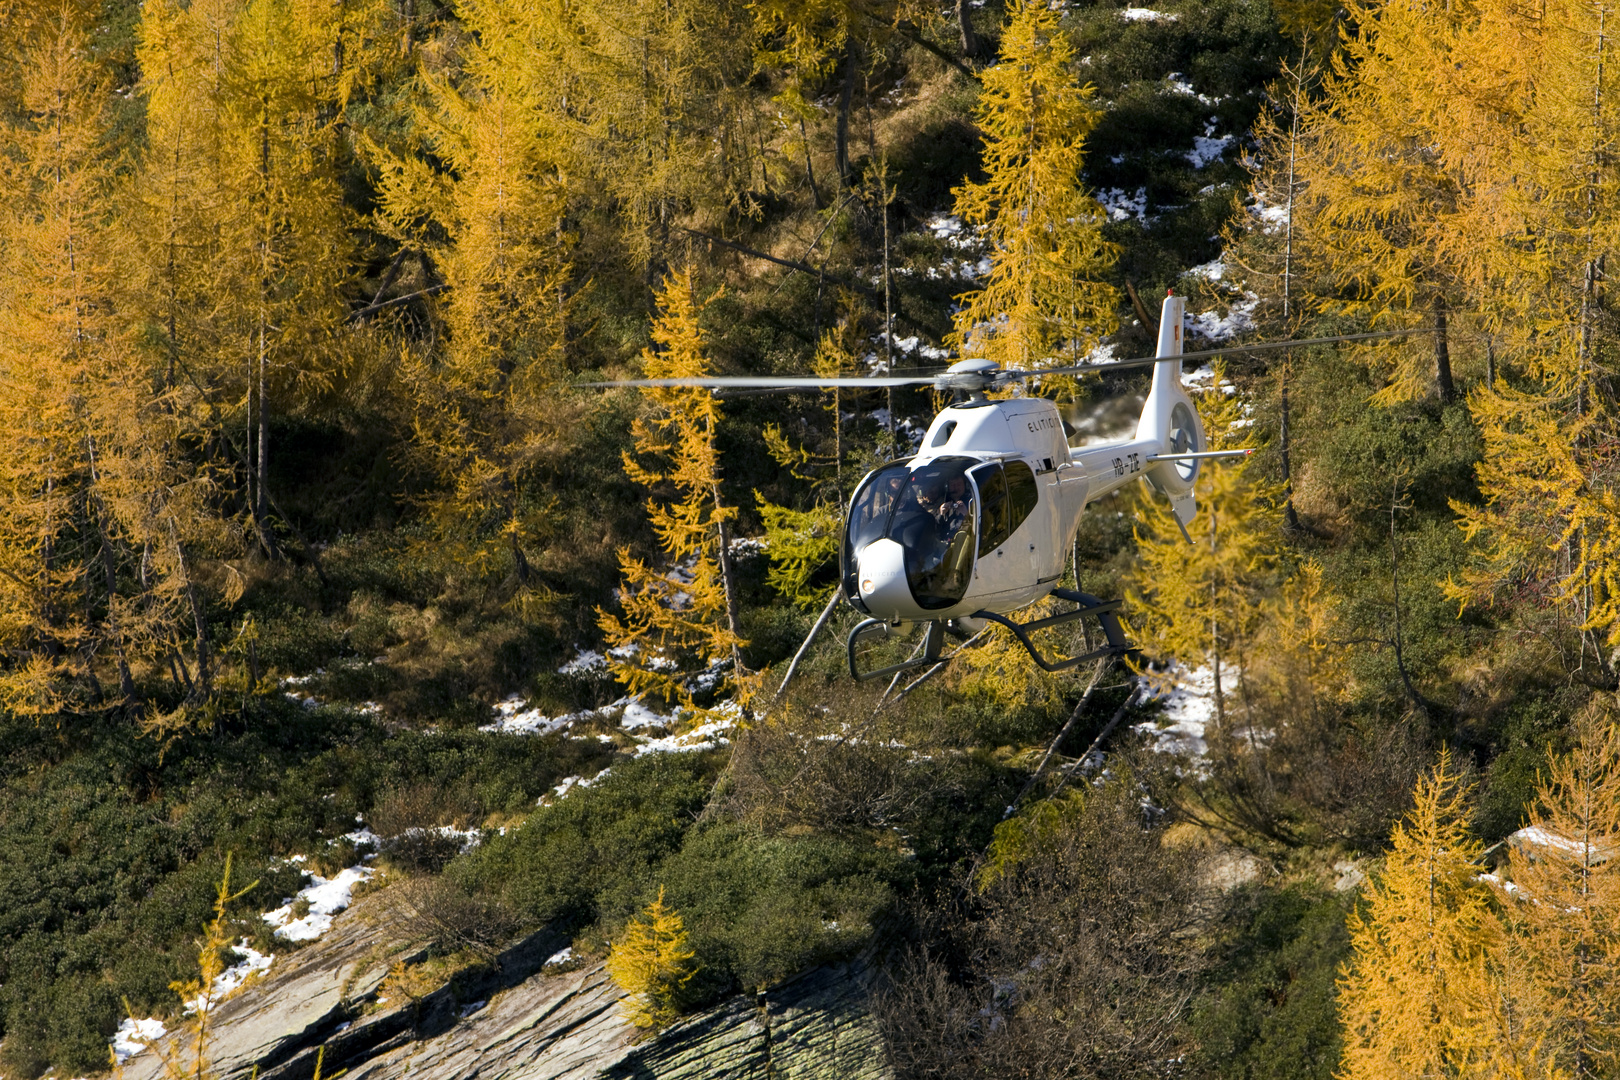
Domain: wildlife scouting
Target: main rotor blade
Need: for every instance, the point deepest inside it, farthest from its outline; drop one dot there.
(762, 384)
(1144, 361)
(791, 382)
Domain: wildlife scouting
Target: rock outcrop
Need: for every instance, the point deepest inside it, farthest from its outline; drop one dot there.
(512, 1019)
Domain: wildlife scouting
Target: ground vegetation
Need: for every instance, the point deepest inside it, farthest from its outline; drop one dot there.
(315, 553)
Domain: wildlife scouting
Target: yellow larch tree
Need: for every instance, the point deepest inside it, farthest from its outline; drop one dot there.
(1295, 660)
(645, 109)
(178, 199)
(1565, 902)
(56, 328)
(102, 510)
(1540, 233)
(291, 242)
(1047, 252)
(488, 412)
(235, 227)
(652, 961)
(78, 411)
(1204, 602)
(1415, 997)
(687, 611)
(1376, 206)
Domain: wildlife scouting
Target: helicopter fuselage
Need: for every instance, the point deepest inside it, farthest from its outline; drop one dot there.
(983, 517)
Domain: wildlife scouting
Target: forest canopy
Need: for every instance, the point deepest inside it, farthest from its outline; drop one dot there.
(307, 514)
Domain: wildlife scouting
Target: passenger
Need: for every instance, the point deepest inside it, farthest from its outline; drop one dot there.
(953, 509)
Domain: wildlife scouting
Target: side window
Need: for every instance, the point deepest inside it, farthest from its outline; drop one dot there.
(1022, 494)
(993, 527)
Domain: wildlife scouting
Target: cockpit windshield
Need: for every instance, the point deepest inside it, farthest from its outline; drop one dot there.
(929, 511)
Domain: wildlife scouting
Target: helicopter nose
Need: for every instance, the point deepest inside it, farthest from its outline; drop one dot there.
(882, 581)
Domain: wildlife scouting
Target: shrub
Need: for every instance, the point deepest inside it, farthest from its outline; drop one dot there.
(595, 849)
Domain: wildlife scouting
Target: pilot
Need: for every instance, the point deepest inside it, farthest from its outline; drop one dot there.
(930, 496)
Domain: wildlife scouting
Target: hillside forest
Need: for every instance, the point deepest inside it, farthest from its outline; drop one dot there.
(318, 552)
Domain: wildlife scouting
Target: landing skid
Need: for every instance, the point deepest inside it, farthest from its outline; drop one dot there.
(934, 644)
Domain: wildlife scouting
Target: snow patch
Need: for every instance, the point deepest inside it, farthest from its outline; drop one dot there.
(1139, 14)
(561, 957)
(638, 715)
(513, 719)
(1189, 697)
(325, 897)
(133, 1036)
(1214, 327)
(1122, 206)
(1178, 84)
(1273, 217)
(1537, 836)
(587, 660)
(1208, 147)
(705, 736)
(253, 962)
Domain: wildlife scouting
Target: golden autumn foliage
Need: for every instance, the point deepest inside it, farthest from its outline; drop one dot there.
(1377, 208)
(89, 472)
(1208, 601)
(685, 613)
(485, 408)
(1453, 166)
(1414, 995)
(1047, 252)
(1564, 909)
(1460, 972)
(652, 962)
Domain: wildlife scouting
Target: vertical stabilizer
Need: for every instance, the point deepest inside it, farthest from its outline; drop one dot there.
(1170, 418)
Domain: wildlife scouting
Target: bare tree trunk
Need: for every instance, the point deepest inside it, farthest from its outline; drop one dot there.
(810, 639)
(1442, 354)
(964, 21)
(809, 169)
(1290, 518)
(1395, 590)
(888, 309)
(728, 578)
(846, 98)
(205, 663)
(1215, 630)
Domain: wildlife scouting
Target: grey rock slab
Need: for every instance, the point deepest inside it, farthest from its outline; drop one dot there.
(550, 1027)
(301, 998)
(510, 1020)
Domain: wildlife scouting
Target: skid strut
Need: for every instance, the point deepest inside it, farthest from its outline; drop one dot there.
(933, 645)
(1107, 613)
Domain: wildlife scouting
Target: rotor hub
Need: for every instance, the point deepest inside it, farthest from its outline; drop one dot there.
(971, 377)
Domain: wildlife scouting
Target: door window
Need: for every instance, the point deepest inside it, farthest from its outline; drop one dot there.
(1022, 493)
(1008, 493)
(993, 501)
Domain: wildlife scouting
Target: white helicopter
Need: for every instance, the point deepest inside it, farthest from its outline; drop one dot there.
(978, 524)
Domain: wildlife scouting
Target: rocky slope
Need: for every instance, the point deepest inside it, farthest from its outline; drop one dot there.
(514, 1019)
